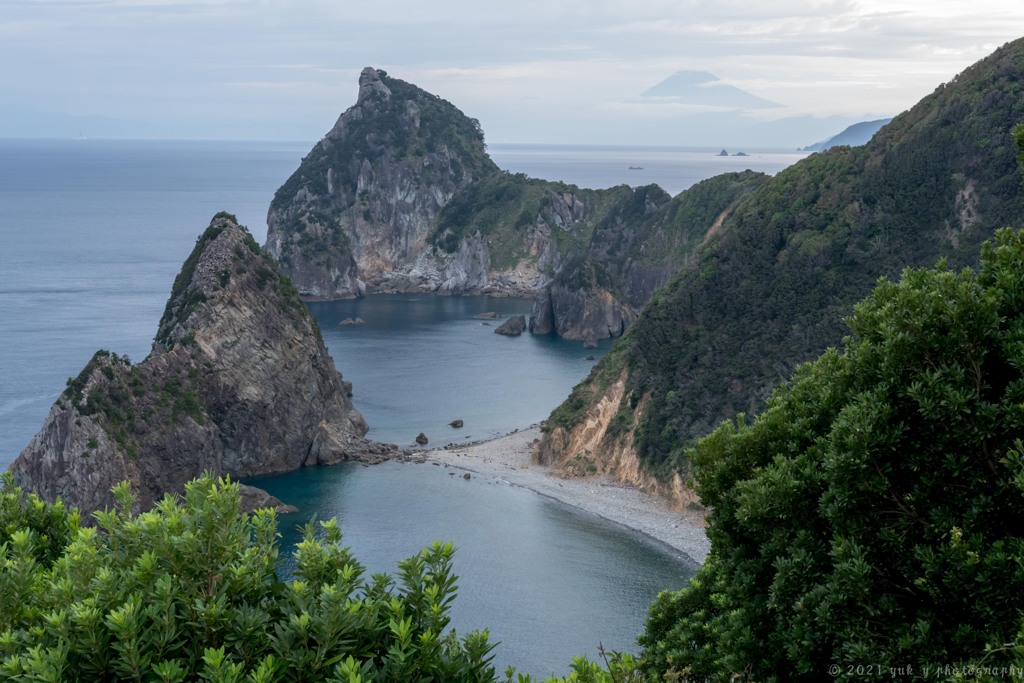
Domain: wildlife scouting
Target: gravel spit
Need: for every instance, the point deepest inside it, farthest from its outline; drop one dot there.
(508, 458)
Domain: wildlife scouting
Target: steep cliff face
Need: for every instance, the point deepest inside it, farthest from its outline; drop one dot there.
(589, 313)
(512, 234)
(767, 286)
(364, 200)
(238, 382)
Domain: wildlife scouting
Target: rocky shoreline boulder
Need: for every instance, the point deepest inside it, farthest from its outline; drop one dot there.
(238, 383)
(513, 327)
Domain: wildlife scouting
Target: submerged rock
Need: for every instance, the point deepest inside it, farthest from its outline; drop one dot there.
(238, 383)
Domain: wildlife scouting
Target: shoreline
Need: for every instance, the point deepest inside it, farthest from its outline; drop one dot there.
(508, 458)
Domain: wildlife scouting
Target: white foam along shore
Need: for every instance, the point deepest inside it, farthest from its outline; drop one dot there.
(508, 458)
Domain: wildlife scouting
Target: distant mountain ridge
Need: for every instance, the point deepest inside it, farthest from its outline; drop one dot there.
(857, 134)
(770, 287)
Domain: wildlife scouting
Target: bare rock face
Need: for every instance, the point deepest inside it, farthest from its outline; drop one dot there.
(513, 327)
(468, 270)
(238, 383)
(580, 313)
(362, 204)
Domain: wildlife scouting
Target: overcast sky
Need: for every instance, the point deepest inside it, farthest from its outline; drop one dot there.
(531, 71)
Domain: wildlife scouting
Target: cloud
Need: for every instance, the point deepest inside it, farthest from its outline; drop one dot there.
(531, 61)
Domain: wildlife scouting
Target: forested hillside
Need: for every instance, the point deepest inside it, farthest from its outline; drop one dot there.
(869, 524)
(770, 287)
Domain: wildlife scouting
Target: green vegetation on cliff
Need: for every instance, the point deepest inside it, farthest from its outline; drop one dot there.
(397, 129)
(872, 517)
(766, 291)
(636, 247)
(504, 207)
(409, 127)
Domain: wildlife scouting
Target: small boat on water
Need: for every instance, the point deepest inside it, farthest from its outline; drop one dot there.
(636, 168)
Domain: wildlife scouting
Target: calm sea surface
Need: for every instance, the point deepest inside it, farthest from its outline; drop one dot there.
(94, 233)
(672, 168)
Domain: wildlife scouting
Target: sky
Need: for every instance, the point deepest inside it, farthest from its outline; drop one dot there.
(532, 71)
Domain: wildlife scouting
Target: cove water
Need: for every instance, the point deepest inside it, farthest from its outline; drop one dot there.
(94, 233)
(419, 362)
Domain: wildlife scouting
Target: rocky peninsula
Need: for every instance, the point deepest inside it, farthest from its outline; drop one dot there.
(238, 383)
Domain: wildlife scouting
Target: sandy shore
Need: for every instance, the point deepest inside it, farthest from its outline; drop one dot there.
(508, 458)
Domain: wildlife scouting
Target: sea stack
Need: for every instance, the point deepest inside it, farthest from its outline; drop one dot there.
(238, 383)
(360, 208)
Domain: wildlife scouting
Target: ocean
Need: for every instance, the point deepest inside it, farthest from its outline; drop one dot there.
(93, 234)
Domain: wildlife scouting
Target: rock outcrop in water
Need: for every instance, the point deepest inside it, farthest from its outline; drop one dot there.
(513, 327)
(238, 383)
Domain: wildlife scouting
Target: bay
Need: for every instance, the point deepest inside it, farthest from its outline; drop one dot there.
(420, 361)
(548, 581)
(94, 233)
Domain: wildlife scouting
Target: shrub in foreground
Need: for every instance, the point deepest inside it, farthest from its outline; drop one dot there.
(871, 519)
(190, 591)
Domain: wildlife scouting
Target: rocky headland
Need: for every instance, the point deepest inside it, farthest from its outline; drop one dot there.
(401, 196)
(360, 208)
(238, 383)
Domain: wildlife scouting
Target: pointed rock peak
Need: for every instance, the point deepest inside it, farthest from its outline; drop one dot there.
(371, 85)
(206, 270)
(239, 382)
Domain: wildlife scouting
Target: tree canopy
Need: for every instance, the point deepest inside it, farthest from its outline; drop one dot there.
(872, 517)
(190, 591)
